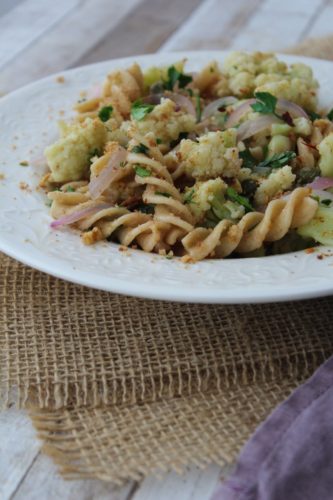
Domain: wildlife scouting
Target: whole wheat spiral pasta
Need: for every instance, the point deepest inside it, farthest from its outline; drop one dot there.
(230, 161)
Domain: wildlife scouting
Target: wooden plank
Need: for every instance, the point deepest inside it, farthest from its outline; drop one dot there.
(143, 30)
(277, 25)
(27, 22)
(43, 482)
(66, 42)
(18, 449)
(212, 25)
(322, 23)
(196, 484)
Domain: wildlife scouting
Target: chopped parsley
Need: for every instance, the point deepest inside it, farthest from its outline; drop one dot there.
(70, 189)
(248, 160)
(327, 202)
(237, 198)
(188, 197)
(158, 140)
(219, 210)
(142, 171)
(190, 92)
(140, 148)
(140, 109)
(278, 160)
(146, 208)
(313, 115)
(175, 76)
(265, 103)
(167, 195)
(105, 113)
(24, 163)
(198, 107)
(330, 115)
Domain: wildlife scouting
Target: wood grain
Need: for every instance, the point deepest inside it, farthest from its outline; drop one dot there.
(18, 449)
(67, 41)
(143, 30)
(43, 482)
(213, 25)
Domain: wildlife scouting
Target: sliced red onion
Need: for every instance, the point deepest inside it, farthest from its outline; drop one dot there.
(322, 195)
(282, 106)
(251, 127)
(102, 181)
(290, 107)
(182, 101)
(238, 113)
(78, 215)
(214, 106)
(321, 183)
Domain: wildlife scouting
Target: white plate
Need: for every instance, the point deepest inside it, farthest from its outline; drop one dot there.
(28, 123)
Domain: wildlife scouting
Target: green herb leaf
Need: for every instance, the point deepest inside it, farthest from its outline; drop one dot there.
(24, 163)
(142, 171)
(266, 103)
(105, 113)
(158, 140)
(313, 115)
(327, 202)
(278, 160)
(330, 115)
(146, 208)
(167, 195)
(175, 76)
(248, 160)
(140, 109)
(237, 198)
(190, 92)
(198, 107)
(140, 148)
(218, 208)
(70, 189)
(188, 197)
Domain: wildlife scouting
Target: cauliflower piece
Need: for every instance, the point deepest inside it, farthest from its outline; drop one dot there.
(200, 196)
(295, 90)
(325, 149)
(165, 122)
(277, 182)
(68, 158)
(215, 154)
(263, 72)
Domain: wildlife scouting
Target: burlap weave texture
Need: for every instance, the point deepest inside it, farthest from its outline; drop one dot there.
(120, 387)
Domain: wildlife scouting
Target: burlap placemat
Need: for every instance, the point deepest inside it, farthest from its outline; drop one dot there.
(119, 387)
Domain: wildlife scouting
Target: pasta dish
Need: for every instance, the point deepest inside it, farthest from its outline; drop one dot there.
(231, 161)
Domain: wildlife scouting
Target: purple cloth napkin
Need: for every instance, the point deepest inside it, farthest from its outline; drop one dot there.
(290, 456)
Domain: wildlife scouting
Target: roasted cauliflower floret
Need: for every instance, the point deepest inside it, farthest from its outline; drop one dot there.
(200, 196)
(165, 122)
(294, 89)
(277, 182)
(68, 158)
(263, 72)
(215, 154)
(325, 149)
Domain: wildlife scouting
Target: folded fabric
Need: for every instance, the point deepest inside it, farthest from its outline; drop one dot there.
(290, 456)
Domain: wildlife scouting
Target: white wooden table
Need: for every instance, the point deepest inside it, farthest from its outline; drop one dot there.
(39, 37)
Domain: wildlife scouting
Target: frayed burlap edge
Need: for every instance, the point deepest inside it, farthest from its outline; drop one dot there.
(121, 443)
